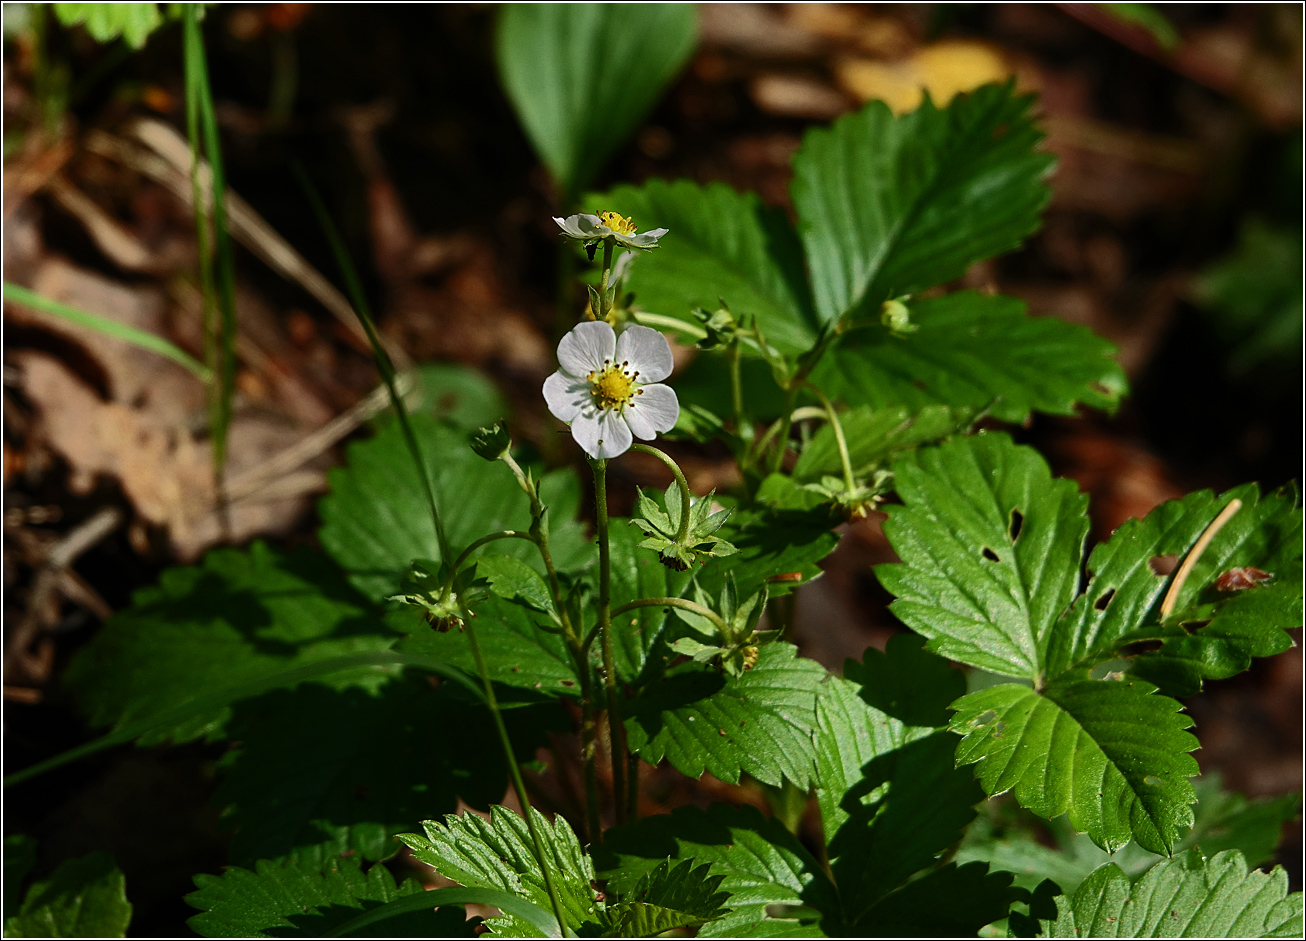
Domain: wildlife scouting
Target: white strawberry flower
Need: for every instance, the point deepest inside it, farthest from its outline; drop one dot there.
(609, 387)
(585, 227)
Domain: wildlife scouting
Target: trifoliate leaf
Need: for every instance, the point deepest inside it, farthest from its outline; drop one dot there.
(583, 78)
(976, 351)
(308, 895)
(376, 520)
(890, 206)
(235, 617)
(1107, 752)
(890, 795)
(759, 723)
(499, 854)
(1183, 897)
(765, 868)
(722, 244)
(83, 898)
(348, 770)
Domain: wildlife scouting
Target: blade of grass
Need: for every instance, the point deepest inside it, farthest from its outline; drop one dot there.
(220, 290)
(113, 328)
(354, 287)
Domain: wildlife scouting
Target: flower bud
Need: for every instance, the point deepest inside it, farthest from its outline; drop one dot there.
(491, 443)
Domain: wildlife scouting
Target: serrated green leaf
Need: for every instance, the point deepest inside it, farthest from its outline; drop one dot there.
(1110, 753)
(890, 206)
(722, 244)
(517, 652)
(762, 863)
(498, 854)
(84, 898)
(310, 895)
(375, 521)
(516, 582)
(952, 901)
(348, 770)
(637, 573)
(1183, 897)
(20, 857)
(237, 616)
(771, 543)
(107, 21)
(668, 897)
(759, 723)
(1253, 297)
(976, 351)
(890, 795)
(873, 435)
(980, 595)
(582, 77)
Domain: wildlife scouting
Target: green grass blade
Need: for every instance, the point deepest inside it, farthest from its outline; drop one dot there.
(217, 700)
(354, 288)
(113, 328)
(505, 902)
(220, 291)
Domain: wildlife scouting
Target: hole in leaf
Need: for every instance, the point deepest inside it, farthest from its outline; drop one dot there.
(1163, 564)
(1017, 521)
(990, 554)
(1104, 600)
(1141, 647)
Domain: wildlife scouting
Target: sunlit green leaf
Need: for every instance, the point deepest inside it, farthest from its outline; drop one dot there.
(83, 898)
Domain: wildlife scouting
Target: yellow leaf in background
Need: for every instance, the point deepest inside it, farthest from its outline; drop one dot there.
(944, 69)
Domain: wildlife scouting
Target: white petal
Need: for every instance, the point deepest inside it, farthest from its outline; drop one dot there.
(647, 351)
(653, 409)
(601, 434)
(647, 239)
(586, 347)
(581, 226)
(566, 395)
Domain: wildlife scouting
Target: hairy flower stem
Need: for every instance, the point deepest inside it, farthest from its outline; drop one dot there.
(605, 306)
(685, 496)
(513, 770)
(683, 603)
(616, 731)
(849, 483)
(782, 437)
(742, 427)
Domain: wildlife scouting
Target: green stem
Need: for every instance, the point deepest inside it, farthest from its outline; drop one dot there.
(513, 770)
(683, 603)
(484, 540)
(669, 323)
(736, 387)
(682, 534)
(616, 731)
(850, 484)
(799, 414)
(786, 420)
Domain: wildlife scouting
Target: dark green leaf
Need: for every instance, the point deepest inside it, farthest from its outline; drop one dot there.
(668, 897)
(349, 770)
(979, 594)
(498, 854)
(20, 857)
(891, 798)
(890, 206)
(83, 898)
(763, 865)
(722, 244)
(950, 902)
(583, 76)
(236, 617)
(1110, 753)
(759, 723)
(310, 895)
(976, 351)
(375, 521)
(1183, 897)
(770, 544)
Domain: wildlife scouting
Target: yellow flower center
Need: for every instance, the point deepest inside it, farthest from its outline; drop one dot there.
(617, 224)
(613, 386)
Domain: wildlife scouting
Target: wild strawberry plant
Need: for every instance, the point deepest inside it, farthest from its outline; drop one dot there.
(458, 613)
